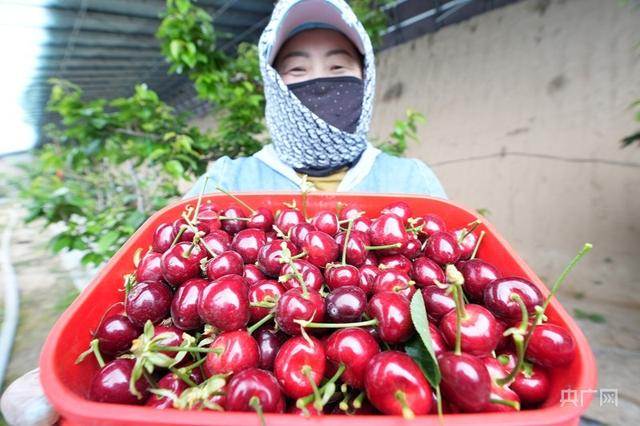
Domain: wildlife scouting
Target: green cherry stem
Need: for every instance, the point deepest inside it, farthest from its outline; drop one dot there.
(518, 340)
(245, 205)
(260, 323)
(199, 202)
(407, 412)
(509, 403)
(309, 324)
(346, 242)
(254, 402)
(475, 249)
(388, 246)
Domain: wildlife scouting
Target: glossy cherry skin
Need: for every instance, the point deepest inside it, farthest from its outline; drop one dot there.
(173, 336)
(224, 303)
(390, 372)
(252, 274)
(439, 344)
(399, 208)
(425, 272)
(218, 241)
(238, 351)
(232, 226)
(432, 223)
(468, 243)
(254, 383)
(362, 224)
(263, 291)
(209, 219)
(504, 393)
(184, 306)
(270, 254)
(262, 218)
(413, 248)
(477, 274)
(396, 262)
(287, 218)
(391, 310)
(169, 382)
(351, 212)
(353, 347)
(388, 229)
(228, 262)
(163, 237)
(326, 221)
(148, 300)
(311, 275)
(248, 242)
(442, 248)
(149, 268)
(321, 248)
(111, 384)
(437, 302)
(479, 330)
(356, 251)
(115, 334)
(345, 304)
(297, 356)
(341, 276)
(465, 381)
(269, 342)
(368, 274)
(293, 305)
(395, 281)
(497, 297)
(181, 263)
(533, 389)
(300, 231)
(551, 346)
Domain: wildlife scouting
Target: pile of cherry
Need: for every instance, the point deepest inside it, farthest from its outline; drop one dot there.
(241, 309)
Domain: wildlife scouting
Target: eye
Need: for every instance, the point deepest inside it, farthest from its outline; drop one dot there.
(297, 69)
(336, 67)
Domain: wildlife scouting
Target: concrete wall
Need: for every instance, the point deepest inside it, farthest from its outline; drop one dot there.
(525, 108)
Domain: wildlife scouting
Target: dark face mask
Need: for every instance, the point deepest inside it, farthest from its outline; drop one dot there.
(336, 100)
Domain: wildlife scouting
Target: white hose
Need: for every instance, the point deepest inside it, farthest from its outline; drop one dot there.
(11, 298)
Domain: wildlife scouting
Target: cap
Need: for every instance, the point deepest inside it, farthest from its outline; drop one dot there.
(314, 14)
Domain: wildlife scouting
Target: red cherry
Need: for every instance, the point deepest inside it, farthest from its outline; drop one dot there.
(413, 248)
(111, 384)
(236, 351)
(341, 275)
(425, 272)
(551, 346)
(311, 275)
(218, 241)
(353, 347)
(184, 306)
(497, 297)
(248, 242)
(254, 383)
(269, 342)
(252, 274)
(260, 292)
(386, 230)
(350, 212)
(397, 262)
(468, 243)
(477, 274)
(368, 274)
(287, 218)
(294, 305)
(163, 237)
(233, 226)
(505, 394)
(356, 251)
(169, 382)
(228, 262)
(478, 329)
(270, 254)
(149, 268)
(298, 364)
(261, 218)
(181, 263)
(533, 388)
(345, 304)
(115, 334)
(224, 303)
(395, 281)
(299, 233)
(394, 382)
(442, 248)
(321, 248)
(439, 344)
(465, 381)
(326, 222)
(437, 302)
(432, 223)
(391, 310)
(148, 301)
(399, 208)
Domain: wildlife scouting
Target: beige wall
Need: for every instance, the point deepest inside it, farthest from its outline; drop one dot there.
(541, 78)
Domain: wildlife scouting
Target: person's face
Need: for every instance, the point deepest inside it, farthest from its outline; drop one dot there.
(316, 54)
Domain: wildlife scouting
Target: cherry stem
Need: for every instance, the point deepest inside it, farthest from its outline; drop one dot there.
(94, 348)
(185, 378)
(288, 259)
(357, 402)
(388, 246)
(309, 324)
(509, 403)
(254, 402)
(439, 404)
(518, 339)
(197, 238)
(260, 323)
(475, 249)
(263, 304)
(245, 205)
(346, 242)
(306, 370)
(554, 289)
(466, 231)
(245, 219)
(407, 413)
(199, 202)
(178, 235)
(459, 315)
(217, 351)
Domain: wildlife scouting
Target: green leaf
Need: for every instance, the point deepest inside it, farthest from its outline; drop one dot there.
(107, 240)
(421, 349)
(174, 168)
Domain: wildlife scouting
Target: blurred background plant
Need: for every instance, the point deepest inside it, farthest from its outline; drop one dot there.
(111, 163)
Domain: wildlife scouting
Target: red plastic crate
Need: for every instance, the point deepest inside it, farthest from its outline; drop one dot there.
(66, 384)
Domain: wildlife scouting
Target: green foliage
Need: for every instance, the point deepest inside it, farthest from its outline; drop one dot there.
(374, 20)
(109, 165)
(403, 132)
(634, 138)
